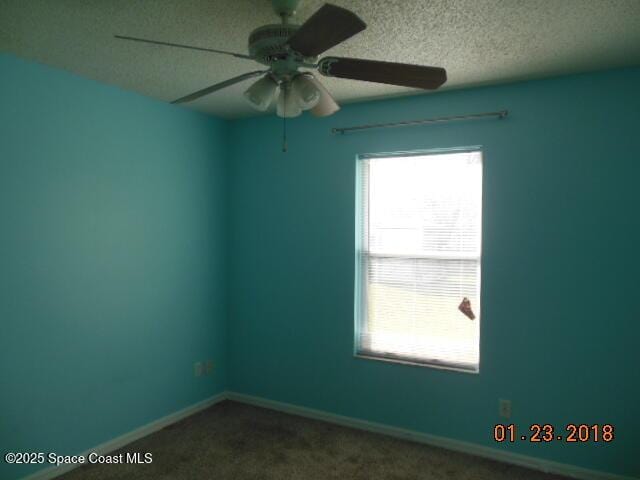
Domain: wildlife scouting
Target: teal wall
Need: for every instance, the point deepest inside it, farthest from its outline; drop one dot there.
(132, 229)
(112, 272)
(561, 321)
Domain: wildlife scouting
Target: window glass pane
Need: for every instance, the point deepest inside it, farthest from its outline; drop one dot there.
(420, 257)
(413, 309)
(425, 204)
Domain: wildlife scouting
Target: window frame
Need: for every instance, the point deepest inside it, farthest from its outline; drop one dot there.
(360, 297)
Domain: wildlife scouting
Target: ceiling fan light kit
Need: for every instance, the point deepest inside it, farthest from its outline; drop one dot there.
(288, 105)
(302, 93)
(327, 105)
(306, 92)
(260, 95)
(290, 52)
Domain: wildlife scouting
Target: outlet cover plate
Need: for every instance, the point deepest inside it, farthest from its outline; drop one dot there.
(504, 408)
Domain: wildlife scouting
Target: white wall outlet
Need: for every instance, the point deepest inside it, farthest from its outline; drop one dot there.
(209, 367)
(197, 369)
(504, 408)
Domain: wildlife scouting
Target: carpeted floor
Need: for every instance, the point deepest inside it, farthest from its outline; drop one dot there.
(232, 441)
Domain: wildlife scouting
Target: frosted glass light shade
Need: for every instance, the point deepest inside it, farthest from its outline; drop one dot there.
(260, 94)
(327, 105)
(288, 104)
(306, 92)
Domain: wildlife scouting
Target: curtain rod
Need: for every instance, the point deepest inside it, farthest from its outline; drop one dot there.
(475, 116)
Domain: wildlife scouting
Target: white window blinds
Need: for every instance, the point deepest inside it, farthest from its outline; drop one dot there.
(419, 258)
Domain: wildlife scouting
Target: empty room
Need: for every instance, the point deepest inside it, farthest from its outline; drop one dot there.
(300, 240)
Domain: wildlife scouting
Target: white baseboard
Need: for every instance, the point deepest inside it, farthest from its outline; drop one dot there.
(435, 440)
(547, 466)
(122, 440)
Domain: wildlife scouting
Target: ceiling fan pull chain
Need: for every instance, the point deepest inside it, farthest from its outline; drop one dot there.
(284, 121)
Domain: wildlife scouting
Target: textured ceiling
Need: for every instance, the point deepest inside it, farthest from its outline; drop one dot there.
(477, 41)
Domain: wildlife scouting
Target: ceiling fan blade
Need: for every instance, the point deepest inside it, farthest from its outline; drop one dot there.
(401, 74)
(326, 28)
(219, 86)
(155, 42)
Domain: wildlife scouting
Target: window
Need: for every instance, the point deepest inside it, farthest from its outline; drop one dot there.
(418, 268)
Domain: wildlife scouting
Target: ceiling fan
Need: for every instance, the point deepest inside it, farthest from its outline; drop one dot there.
(290, 51)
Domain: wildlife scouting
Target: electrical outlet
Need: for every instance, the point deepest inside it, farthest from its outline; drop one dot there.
(209, 367)
(504, 408)
(197, 369)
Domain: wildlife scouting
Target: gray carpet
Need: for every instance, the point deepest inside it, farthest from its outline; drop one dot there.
(239, 442)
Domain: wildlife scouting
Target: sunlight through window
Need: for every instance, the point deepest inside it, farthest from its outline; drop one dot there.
(419, 258)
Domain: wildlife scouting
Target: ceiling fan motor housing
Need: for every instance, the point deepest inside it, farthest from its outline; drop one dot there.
(267, 43)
